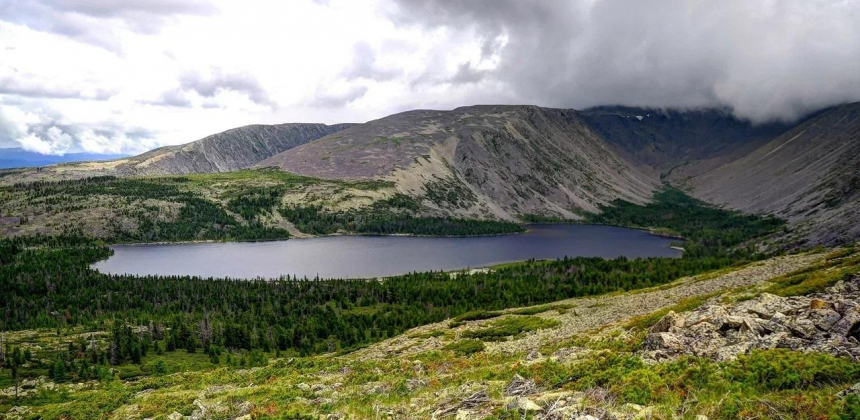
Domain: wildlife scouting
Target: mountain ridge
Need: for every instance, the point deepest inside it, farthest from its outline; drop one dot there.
(505, 160)
(230, 150)
(809, 175)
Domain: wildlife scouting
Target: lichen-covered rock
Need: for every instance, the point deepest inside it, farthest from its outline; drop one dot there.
(664, 341)
(828, 322)
(668, 323)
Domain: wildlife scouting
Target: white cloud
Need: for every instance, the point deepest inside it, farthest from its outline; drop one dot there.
(131, 75)
(33, 143)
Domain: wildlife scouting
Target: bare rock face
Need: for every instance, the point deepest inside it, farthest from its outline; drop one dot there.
(809, 175)
(828, 322)
(496, 161)
(234, 149)
(680, 144)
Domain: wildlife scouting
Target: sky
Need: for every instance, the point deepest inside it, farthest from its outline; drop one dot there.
(125, 76)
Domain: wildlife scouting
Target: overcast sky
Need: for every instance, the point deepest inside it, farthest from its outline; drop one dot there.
(126, 76)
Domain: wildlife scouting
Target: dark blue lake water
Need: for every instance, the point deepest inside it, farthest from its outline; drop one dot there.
(378, 256)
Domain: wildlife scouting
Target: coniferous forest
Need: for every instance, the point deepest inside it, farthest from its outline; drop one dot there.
(48, 284)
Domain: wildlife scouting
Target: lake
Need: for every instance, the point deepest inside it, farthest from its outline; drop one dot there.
(379, 256)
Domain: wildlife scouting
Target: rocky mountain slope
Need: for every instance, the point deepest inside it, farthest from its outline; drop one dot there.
(809, 175)
(234, 149)
(679, 143)
(230, 150)
(480, 161)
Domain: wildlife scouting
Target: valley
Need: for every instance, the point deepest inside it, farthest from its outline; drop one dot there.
(763, 215)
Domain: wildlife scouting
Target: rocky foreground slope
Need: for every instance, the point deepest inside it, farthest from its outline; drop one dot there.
(826, 322)
(481, 161)
(748, 342)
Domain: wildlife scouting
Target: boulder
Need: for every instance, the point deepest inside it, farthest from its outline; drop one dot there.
(824, 318)
(174, 416)
(765, 306)
(669, 323)
(802, 327)
(731, 352)
(664, 341)
(844, 305)
(711, 314)
(524, 404)
(848, 323)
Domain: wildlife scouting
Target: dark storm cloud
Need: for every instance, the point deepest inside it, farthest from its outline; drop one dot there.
(466, 74)
(764, 60)
(95, 21)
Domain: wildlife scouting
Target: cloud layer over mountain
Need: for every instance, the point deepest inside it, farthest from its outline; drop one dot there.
(83, 75)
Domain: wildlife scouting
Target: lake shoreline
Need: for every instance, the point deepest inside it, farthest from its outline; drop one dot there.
(378, 256)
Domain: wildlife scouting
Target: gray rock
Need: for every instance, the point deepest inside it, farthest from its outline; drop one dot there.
(803, 328)
(668, 323)
(824, 319)
(848, 322)
(854, 389)
(664, 341)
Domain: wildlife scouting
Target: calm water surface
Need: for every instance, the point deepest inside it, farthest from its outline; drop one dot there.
(376, 256)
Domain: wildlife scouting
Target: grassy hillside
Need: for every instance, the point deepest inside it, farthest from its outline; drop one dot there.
(576, 357)
(242, 205)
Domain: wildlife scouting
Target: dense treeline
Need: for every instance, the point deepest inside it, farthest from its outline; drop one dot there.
(391, 216)
(707, 230)
(51, 287)
(47, 282)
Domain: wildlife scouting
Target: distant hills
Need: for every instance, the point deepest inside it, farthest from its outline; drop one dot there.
(505, 162)
(230, 150)
(20, 158)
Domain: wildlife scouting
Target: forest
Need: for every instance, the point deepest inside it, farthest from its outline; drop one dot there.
(391, 216)
(707, 230)
(232, 207)
(47, 283)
